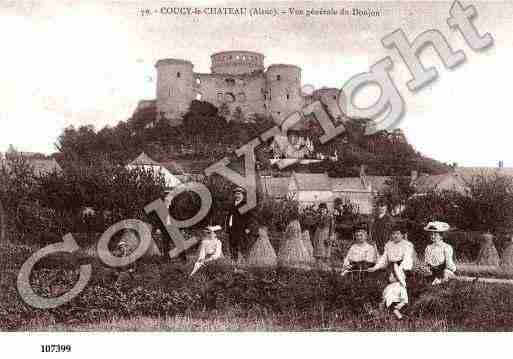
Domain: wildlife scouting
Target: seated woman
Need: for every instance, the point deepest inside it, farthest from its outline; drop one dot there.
(397, 259)
(439, 255)
(361, 254)
(210, 248)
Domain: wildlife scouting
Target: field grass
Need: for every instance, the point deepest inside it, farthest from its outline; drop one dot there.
(158, 295)
(223, 323)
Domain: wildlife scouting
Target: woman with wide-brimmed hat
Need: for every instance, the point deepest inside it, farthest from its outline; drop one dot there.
(439, 255)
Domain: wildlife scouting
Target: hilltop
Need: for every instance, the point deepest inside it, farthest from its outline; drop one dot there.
(203, 133)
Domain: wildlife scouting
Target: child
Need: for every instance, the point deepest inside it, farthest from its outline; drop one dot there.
(395, 295)
(398, 259)
(210, 248)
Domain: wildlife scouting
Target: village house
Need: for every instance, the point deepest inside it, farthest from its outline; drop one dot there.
(171, 171)
(314, 188)
(456, 180)
(39, 164)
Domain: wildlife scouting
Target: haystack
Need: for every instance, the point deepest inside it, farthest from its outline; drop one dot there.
(488, 255)
(292, 252)
(321, 246)
(308, 243)
(507, 256)
(262, 253)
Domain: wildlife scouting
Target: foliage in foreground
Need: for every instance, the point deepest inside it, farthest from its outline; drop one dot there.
(285, 299)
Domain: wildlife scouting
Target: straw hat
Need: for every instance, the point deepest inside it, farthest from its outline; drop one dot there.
(437, 226)
(212, 228)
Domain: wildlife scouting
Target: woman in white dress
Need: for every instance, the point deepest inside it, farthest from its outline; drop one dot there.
(439, 255)
(397, 258)
(210, 248)
(361, 255)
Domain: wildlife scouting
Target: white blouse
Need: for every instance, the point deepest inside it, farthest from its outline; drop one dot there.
(395, 252)
(361, 252)
(438, 253)
(211, 248)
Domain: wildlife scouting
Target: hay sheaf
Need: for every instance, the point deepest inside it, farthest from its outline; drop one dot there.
(292, 252)
(262, 253)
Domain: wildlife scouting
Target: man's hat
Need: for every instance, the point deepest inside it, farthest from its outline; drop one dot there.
(437, 226)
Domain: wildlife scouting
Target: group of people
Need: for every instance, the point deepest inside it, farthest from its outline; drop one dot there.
(384, 247)
(399, 259)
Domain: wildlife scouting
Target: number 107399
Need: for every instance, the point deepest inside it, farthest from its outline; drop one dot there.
(55, 348)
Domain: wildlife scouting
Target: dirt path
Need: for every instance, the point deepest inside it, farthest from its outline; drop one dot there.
(485, 280)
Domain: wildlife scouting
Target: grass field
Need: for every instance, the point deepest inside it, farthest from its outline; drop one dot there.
(158, 295)
(223, 322)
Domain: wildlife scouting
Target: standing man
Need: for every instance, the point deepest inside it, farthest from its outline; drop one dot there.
(237, 225)
(381, 226)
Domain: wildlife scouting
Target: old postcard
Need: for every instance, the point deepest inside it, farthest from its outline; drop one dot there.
(255, 167)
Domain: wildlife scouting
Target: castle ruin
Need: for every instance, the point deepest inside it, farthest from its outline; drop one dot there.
(237, 79)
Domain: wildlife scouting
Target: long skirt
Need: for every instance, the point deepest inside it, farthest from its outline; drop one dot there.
(321, 247)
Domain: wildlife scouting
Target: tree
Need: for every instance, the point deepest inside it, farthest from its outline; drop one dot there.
(397, 191)
(492, 203)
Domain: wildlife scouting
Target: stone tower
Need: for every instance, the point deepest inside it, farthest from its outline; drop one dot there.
(237, 62)
(284, 90)
(175, 80)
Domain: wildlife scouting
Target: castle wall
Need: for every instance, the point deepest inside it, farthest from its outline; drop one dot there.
(237, 62)
(237, 79)
(245, 91)
(174, 87)
(330, 98)
(284, 90)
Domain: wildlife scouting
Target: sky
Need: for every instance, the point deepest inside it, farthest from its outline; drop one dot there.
(65, 64)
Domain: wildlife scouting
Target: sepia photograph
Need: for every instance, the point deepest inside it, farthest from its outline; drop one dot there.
(252, 166)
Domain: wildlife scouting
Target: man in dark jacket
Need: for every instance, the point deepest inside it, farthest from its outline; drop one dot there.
(381, 227)
(237, 225)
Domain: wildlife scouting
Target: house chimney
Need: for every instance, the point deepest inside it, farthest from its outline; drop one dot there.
(501, 164)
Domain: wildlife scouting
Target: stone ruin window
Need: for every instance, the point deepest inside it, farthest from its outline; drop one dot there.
(334, 97)
(241, 96)
(220, 96)
(198, 81)
(288, 97)
(265, 96)
(278, 77)
(178, 74)
(230, 82)
(238, 57)
(199, 96)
